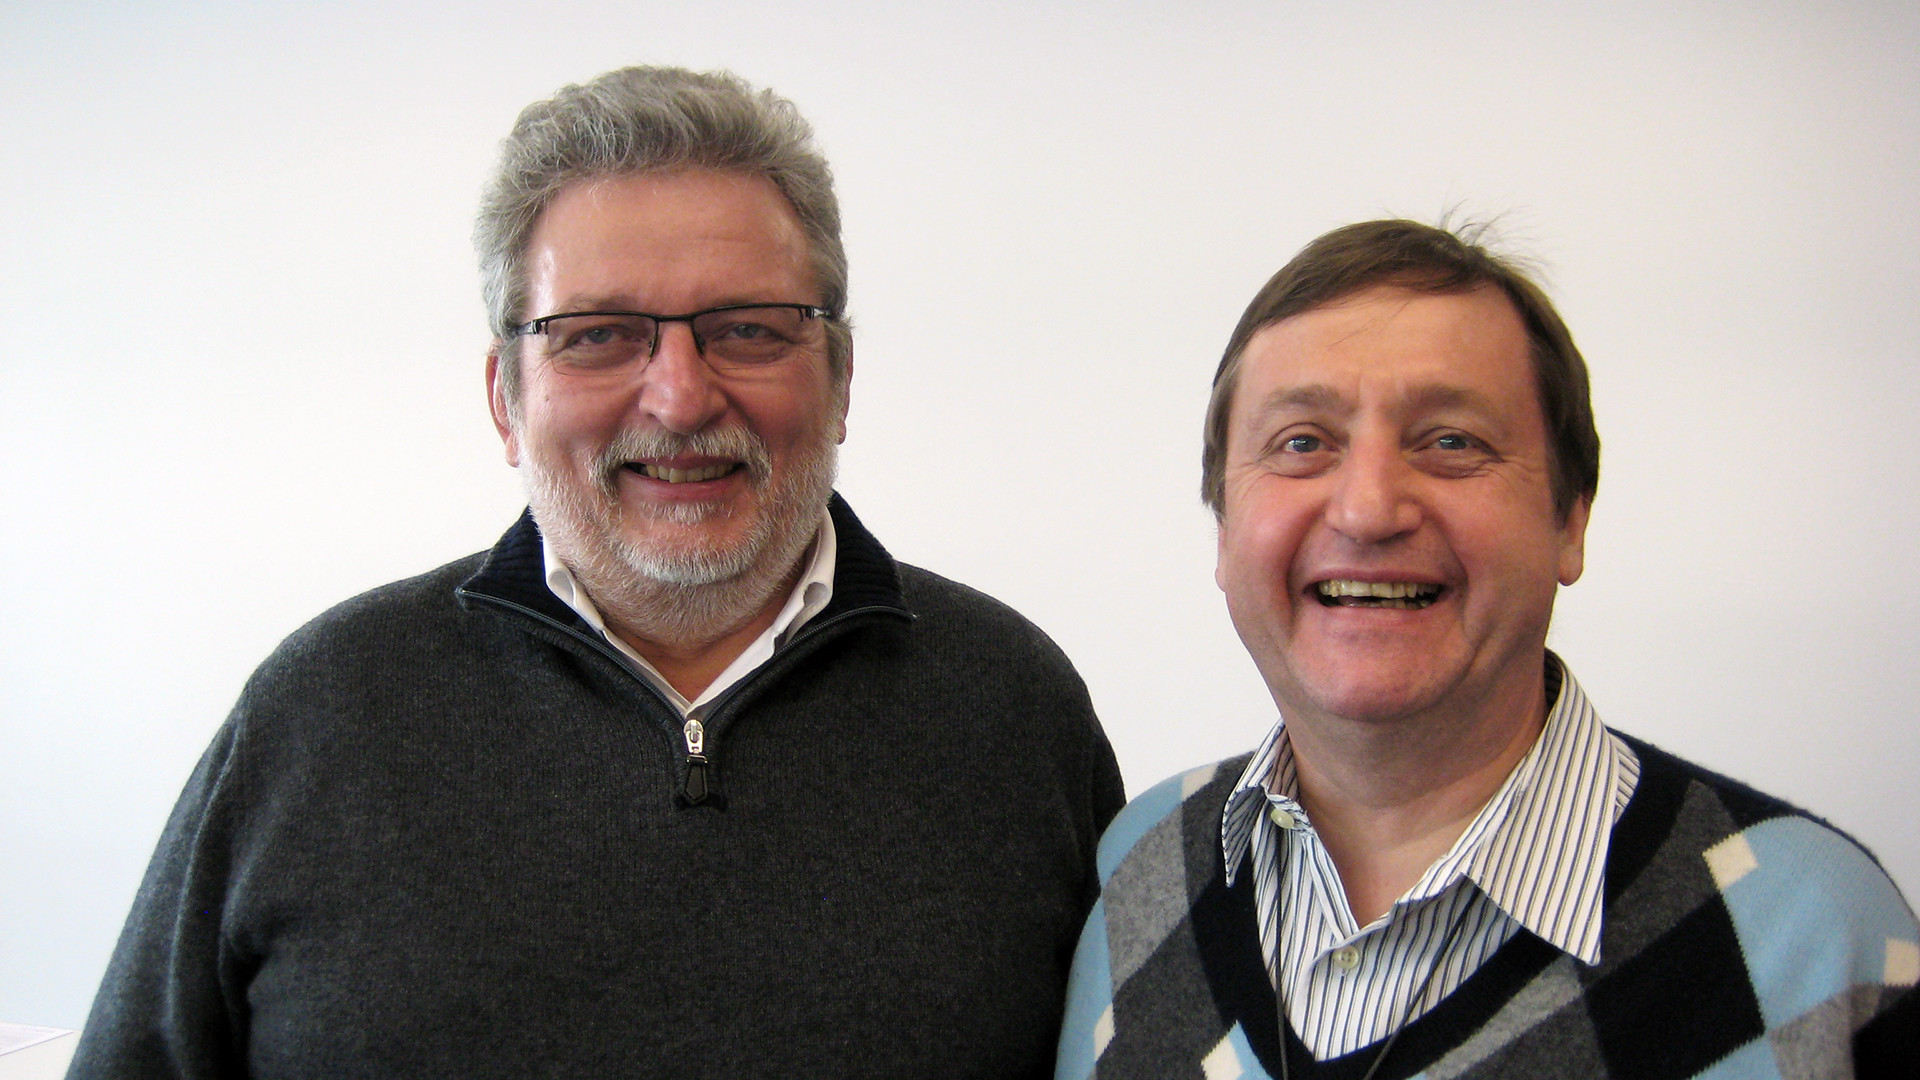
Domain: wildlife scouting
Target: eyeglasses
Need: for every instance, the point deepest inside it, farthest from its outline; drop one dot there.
(737, 336)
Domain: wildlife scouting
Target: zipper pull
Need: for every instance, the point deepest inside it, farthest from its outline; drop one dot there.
(696, 790)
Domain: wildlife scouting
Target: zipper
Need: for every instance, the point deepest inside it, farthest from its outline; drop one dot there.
(697, 764)
(702, 773)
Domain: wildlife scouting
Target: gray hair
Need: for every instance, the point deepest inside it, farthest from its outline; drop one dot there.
(642, 120)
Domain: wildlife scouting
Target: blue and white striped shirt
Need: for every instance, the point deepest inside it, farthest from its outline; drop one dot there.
(1532, 858)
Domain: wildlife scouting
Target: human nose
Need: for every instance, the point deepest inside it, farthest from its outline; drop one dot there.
(1373, 500)
(678, 388)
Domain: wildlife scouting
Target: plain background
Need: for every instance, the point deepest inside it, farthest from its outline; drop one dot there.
(242, 375)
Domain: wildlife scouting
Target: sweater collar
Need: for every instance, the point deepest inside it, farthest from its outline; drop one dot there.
(865, 576)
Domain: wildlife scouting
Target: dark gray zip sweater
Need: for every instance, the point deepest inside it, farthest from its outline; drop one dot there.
(448, 832)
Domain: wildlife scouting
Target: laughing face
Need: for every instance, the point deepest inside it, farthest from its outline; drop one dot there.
(1389, 547)
(665, 471)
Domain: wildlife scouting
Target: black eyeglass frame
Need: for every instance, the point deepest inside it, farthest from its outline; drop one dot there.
(539, 325)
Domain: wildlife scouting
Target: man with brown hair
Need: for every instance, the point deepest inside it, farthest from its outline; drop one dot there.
(1440, 862)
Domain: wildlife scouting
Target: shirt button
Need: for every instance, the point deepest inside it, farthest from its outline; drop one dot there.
(1284, 817)
(1346, 958)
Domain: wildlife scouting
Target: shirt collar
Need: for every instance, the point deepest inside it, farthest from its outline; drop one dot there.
(1272, 763)
(810, 594)
(1538, 848)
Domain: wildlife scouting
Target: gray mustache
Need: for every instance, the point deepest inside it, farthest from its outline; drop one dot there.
(734, 442)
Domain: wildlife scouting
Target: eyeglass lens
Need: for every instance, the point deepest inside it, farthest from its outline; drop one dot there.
(740, 336)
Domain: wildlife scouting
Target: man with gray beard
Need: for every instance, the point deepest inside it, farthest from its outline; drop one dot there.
(685, 777)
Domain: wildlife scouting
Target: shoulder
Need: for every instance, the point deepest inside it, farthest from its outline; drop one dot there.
(340, 696)
(933, 596)
(1815, 917)
(965, 647)
(1159, 823)
(971, 629)
(394, 608)
(405, 600)
(1735, 809)
(1142, 957)
(409, 632)
(958, 627)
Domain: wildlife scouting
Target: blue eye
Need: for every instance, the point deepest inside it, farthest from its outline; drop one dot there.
(601, 335)
(744, 331)
(1301, 444)
(1453, 442)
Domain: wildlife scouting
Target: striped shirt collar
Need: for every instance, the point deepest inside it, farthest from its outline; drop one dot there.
(1538, 848)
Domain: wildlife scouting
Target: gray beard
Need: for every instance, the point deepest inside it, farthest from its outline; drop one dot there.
(691, 596)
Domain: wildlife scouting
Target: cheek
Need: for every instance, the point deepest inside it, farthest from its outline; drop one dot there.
(792, 416)
(1254, 562)
(1265, 536)
(572, 421)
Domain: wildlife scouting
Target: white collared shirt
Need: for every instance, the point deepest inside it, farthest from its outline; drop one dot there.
(1534, 858)
(810, 594)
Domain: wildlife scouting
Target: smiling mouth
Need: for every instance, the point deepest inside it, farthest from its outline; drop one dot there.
(1403, 595)
(683, 476)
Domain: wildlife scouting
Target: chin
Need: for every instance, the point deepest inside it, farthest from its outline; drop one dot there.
(1364, 696)
(694, 559)
(1375, 708)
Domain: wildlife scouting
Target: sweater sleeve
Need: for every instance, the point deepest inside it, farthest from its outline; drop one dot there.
(1831, 948)
(1088, 1024)
(166, 1007)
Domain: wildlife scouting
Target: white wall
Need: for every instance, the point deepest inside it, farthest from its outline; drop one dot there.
(242, 372)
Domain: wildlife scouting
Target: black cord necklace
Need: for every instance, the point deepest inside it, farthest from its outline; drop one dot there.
(1439, 957)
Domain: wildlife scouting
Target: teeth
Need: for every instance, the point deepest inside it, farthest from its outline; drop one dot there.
(1385, 590)
(684, 476)
(1396, 594)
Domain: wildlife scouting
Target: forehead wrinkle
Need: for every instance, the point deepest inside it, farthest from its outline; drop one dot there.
(1310, 397)
(625, 302)
(594, 302)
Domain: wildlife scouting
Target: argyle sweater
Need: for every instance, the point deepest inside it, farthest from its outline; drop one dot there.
(1742, 938)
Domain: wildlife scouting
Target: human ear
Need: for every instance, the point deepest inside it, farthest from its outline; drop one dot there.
(1573, 541)
(502, 413)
